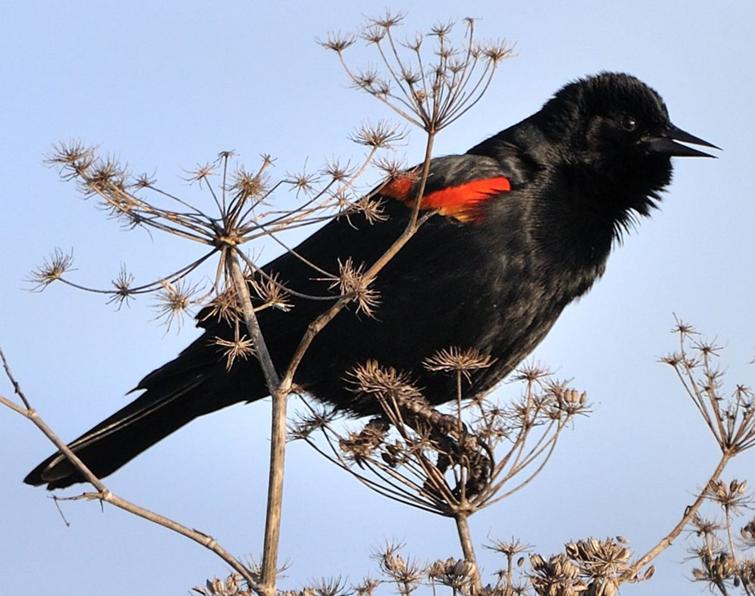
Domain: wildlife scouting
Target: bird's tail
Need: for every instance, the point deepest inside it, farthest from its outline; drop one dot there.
(170, 401)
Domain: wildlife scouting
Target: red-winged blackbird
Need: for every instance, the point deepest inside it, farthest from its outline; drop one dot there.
(526, 220)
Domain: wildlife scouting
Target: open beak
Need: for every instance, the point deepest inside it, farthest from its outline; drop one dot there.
(666, 143)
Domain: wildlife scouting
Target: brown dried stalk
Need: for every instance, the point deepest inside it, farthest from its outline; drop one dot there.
(104, 494)
(731, 421)
(449, 463)
(433, 99)
(238, 223)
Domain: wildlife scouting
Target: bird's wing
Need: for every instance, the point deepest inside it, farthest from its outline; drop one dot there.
(456, 185)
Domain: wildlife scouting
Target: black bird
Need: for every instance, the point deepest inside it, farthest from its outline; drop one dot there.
(525, 222)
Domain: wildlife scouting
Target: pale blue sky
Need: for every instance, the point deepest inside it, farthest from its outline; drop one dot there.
(166, 86)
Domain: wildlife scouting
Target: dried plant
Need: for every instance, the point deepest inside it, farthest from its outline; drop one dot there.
(431, 87)
(233, 585)
(722, 561)
(446, 463)
(243, 205)
(451, 464)
(730, 419)
(237, 213)
(589, 567)
(430, 80)
(452, 461)
(236, 216)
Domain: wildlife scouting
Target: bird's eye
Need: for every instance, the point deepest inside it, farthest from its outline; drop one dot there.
(629, 123)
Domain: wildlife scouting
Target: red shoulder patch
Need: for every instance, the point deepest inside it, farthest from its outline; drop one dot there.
(454, 201)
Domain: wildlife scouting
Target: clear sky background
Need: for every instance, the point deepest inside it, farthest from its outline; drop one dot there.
(167, 85)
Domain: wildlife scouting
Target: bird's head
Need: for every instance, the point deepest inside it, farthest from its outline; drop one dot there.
(614, 128)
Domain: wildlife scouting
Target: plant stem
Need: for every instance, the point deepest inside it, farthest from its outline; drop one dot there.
(465, 538)
(250, 320)
(689, 513)
(279, 393)
(104, 494)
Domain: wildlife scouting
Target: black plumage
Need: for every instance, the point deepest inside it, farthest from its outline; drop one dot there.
(492, 270)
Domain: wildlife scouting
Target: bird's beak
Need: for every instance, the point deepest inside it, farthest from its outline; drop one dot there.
(666, 144)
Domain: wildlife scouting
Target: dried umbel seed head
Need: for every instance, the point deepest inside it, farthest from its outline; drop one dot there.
(732, 496)
(248, 185)
(381, 135)
(367, 587)
(457, 360)
(531, 373)
(240, 347)
(316, 420)
(352, 282)
(510, 548)
(401, 570)
(716, 568)
(558, 576)
(338, 42)
(51, 270)
(223, 307)
(271, 292)
(572, 398)
(565, 401)
(175, 299)
(122, 285)
(303, 182)
(336, 171)
(451, 572)
(73, 159)
(606, 559)
(372, 209)
(234, 585)
(705, 527)
(327, 587)
(372, 379)
(201, 174)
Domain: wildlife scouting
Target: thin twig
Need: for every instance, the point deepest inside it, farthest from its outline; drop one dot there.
(689, 513)
(104, 494)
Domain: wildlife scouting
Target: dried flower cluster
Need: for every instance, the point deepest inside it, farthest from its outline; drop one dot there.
(586, 567)
(431, 87)
(731, 418)
(451, 461)
(589, 567)
(233, 585)
(721, 556)
(446, 463)
(237, 214)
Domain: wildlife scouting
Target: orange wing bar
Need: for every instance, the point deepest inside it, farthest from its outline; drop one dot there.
(455, 201)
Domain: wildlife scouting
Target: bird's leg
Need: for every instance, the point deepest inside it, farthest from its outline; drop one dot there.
(453, 443)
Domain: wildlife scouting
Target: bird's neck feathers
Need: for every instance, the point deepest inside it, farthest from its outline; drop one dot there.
(595, 208)
(605, 193)
(575, 209)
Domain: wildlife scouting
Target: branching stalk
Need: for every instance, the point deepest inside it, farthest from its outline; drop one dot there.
(104, 494)
(279, 393)
(689, 513)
